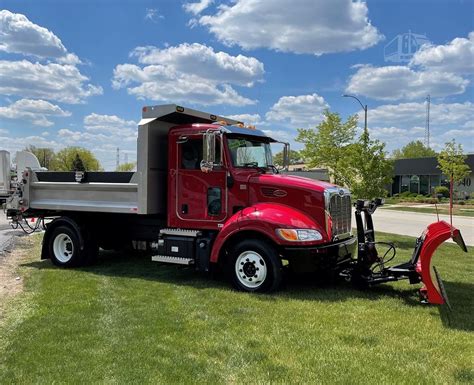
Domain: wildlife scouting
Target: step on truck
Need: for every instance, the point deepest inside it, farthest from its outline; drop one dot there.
(206, 194)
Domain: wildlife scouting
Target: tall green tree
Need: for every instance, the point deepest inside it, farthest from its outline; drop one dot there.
(78, 164)
(369, 171)
(328, 145)
(294, 156)
(44, 155)
(452, 161)
(414, 149)
(64, 159)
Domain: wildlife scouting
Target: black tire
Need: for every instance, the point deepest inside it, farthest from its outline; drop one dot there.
(65, 250)
(250, 258)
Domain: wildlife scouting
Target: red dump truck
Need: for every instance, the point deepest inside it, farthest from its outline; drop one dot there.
(206, 194)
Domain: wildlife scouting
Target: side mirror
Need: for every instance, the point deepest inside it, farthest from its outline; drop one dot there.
(286, 156)
(208, 151)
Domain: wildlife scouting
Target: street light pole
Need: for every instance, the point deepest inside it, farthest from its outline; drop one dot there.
(364, 107)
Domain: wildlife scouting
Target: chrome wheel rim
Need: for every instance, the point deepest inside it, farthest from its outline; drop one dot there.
(250, 269)
(63, 248)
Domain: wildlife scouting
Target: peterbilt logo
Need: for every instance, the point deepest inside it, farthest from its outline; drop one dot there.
(341, 193)
(280, 193)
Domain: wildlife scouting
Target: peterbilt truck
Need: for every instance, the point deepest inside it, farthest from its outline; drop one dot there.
(206, 194)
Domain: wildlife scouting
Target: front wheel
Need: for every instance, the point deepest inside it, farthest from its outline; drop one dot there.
(255, 266)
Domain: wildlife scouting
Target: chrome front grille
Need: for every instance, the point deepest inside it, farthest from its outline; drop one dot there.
(338, 203)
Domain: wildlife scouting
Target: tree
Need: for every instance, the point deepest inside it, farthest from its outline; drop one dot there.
(77, 164)
(295, 158)
(44, 155)
(130, 166)
(414, 149)
(328, 145)
(452, 162)
(64, 159)
(368, 169)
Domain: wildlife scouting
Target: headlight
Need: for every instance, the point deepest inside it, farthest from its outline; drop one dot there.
(299, 235)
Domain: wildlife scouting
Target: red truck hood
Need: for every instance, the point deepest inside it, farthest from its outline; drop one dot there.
(291, 181)
(304, 194)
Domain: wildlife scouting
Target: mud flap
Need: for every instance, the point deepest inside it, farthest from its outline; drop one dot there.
(435, 234)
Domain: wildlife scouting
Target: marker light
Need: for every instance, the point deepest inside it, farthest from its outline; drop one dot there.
(299, 235)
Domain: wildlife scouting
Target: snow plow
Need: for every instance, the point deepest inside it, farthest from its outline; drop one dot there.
(370, 269)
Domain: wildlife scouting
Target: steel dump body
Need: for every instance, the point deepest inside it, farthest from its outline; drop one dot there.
(46, 191)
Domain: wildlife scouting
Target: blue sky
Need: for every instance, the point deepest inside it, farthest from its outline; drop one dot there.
(78, 72)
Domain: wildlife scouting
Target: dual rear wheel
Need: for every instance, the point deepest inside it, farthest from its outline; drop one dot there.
(66, 249)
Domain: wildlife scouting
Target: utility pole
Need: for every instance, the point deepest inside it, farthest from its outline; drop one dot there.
(117, 161)
(427, 124)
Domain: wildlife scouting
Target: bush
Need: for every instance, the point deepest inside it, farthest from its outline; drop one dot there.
(395, 195)
(444, 191)
(405, 194)
(413, 195)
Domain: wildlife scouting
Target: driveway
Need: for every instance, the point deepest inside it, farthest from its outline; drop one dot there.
(408, 223)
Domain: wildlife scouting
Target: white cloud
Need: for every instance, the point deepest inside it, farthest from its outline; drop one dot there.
(35, 111)
(20, 35)
(301, 111)
(398, 124)
(111, 125)
(3, 131)
(412, 114)
(300, 26)
(197, 8)
(203, 61)
(252, 119)
(52, 81)
(457, 56)
(402, 82)
(153, 15)
(191, 73)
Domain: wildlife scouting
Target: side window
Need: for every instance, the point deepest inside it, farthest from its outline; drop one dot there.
(191, 154)
(214, 200)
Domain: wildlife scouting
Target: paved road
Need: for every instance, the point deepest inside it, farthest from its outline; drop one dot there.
(408, 223)
(6, 233)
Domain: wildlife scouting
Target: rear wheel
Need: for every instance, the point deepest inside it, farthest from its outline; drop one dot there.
(65, 247)
(255, 266)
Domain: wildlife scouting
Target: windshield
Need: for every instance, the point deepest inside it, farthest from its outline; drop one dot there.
(249, 152)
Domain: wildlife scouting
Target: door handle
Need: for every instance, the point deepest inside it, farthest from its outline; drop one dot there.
(184, 209)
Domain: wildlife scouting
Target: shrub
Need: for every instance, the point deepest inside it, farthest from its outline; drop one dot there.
(444, 191)
(413, 195)
(395, 195)
(405, 194)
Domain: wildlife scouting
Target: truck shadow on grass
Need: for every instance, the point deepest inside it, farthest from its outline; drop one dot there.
(297, 287)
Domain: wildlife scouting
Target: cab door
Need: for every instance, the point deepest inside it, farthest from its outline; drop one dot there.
(201, 198)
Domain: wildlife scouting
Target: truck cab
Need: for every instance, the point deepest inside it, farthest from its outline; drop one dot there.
(205, 194)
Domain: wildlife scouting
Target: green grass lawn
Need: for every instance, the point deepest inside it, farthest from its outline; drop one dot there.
(459, 210)
(129, 320)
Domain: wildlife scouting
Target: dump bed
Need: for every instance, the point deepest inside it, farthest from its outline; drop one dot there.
(108, 192)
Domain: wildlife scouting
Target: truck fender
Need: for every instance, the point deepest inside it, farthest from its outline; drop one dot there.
(52, 225)
(264, 218)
